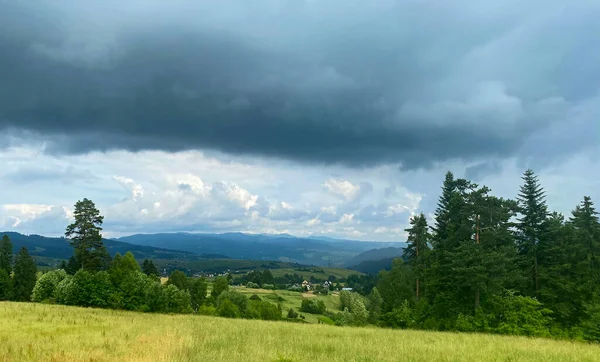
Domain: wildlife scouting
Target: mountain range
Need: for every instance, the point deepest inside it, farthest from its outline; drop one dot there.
(188, 246)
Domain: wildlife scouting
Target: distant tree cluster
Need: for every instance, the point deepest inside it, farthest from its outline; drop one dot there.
(18, 273)
(91, 279)
(498, 265)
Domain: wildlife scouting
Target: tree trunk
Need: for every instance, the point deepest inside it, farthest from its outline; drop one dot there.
(417, 289)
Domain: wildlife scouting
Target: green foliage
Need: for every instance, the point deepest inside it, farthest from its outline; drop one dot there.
(6, 255)
(312, 306)
(219, 286)
(85, 237)
(198, 290)
(5, 285)
(122, 266)
(24, 276)
(149, 268)
(374, 306)
(72, 266)
(258, 309)
(227, 309)
(239, 299)
(207, 310)
(400, 317)
(292, 314)
(396, 285)
(178, 279)
(45, 287)
(176, 300)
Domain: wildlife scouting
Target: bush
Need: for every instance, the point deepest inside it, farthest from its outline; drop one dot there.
(252, 285)
(207, 310)
(255, 297)
(399, 317)
(312, 306)
(176, 300)
(296, 289)
(228, 310)
(292, 314)
(238, 299)
(269, 286)
(45, 287)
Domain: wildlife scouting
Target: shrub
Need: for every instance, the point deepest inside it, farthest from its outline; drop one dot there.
(176, 300)
(228, 310)
(45, 287)
(238, 299)
(269, 286)
(252, 285)
(292, 314)
(312, 306)
(207, 310)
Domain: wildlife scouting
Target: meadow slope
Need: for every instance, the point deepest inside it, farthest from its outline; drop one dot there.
(37, 332)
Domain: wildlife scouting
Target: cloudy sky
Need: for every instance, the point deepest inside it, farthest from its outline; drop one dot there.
(311, 117)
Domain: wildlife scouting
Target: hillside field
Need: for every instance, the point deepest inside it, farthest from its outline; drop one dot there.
(38, 332)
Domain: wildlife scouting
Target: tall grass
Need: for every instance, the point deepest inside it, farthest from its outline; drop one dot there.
(37, 332)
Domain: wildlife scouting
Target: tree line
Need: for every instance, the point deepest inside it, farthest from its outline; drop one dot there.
(498, 265)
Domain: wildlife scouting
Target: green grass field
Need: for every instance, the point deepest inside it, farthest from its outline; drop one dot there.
(292, 300)
(37, 332)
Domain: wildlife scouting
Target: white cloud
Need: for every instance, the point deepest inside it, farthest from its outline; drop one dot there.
(217, 194)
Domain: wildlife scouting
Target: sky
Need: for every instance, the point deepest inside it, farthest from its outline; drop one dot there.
(309, 117)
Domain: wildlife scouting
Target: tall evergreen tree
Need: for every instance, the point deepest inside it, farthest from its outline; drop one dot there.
(6, 254)
(418, 248)
(24, 277)
(531, 228)
(72, 265)
(85, 237)
(149, 268)
(5, 286)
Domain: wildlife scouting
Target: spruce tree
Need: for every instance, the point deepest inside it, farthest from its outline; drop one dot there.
(149, 268)
(85, 237)
(417, 250)
(72, 265)
(5, 286)
(24, 277)
(6, 254)
(531, 228)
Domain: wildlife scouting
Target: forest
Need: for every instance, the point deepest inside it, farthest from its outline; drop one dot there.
(483, 264)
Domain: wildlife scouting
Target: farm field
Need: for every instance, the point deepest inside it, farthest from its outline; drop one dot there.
(38, 332)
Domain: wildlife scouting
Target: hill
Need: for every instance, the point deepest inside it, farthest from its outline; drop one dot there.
(375, 254)
(286, 248)
(373, 267)
(48, 250)
(38, 332)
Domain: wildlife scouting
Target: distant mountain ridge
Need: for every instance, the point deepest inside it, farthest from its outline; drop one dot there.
(376, 254)
(322, 251)
(188, 246)
(59, 248)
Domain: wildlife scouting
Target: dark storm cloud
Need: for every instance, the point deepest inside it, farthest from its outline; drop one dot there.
(331, 82)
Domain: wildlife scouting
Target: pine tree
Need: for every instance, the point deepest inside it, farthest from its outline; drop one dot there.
(85, 237)
(418, 248)
(531, 227)
(584, 221)
(72, 265)
(5, 286)
(6, 254)
(24, 277)
(149, 268)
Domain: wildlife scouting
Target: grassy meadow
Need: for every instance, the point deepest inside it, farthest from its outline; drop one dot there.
(289, 299)
(38, 332)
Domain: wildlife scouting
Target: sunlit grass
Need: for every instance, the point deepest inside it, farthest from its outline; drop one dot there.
(36, 332)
